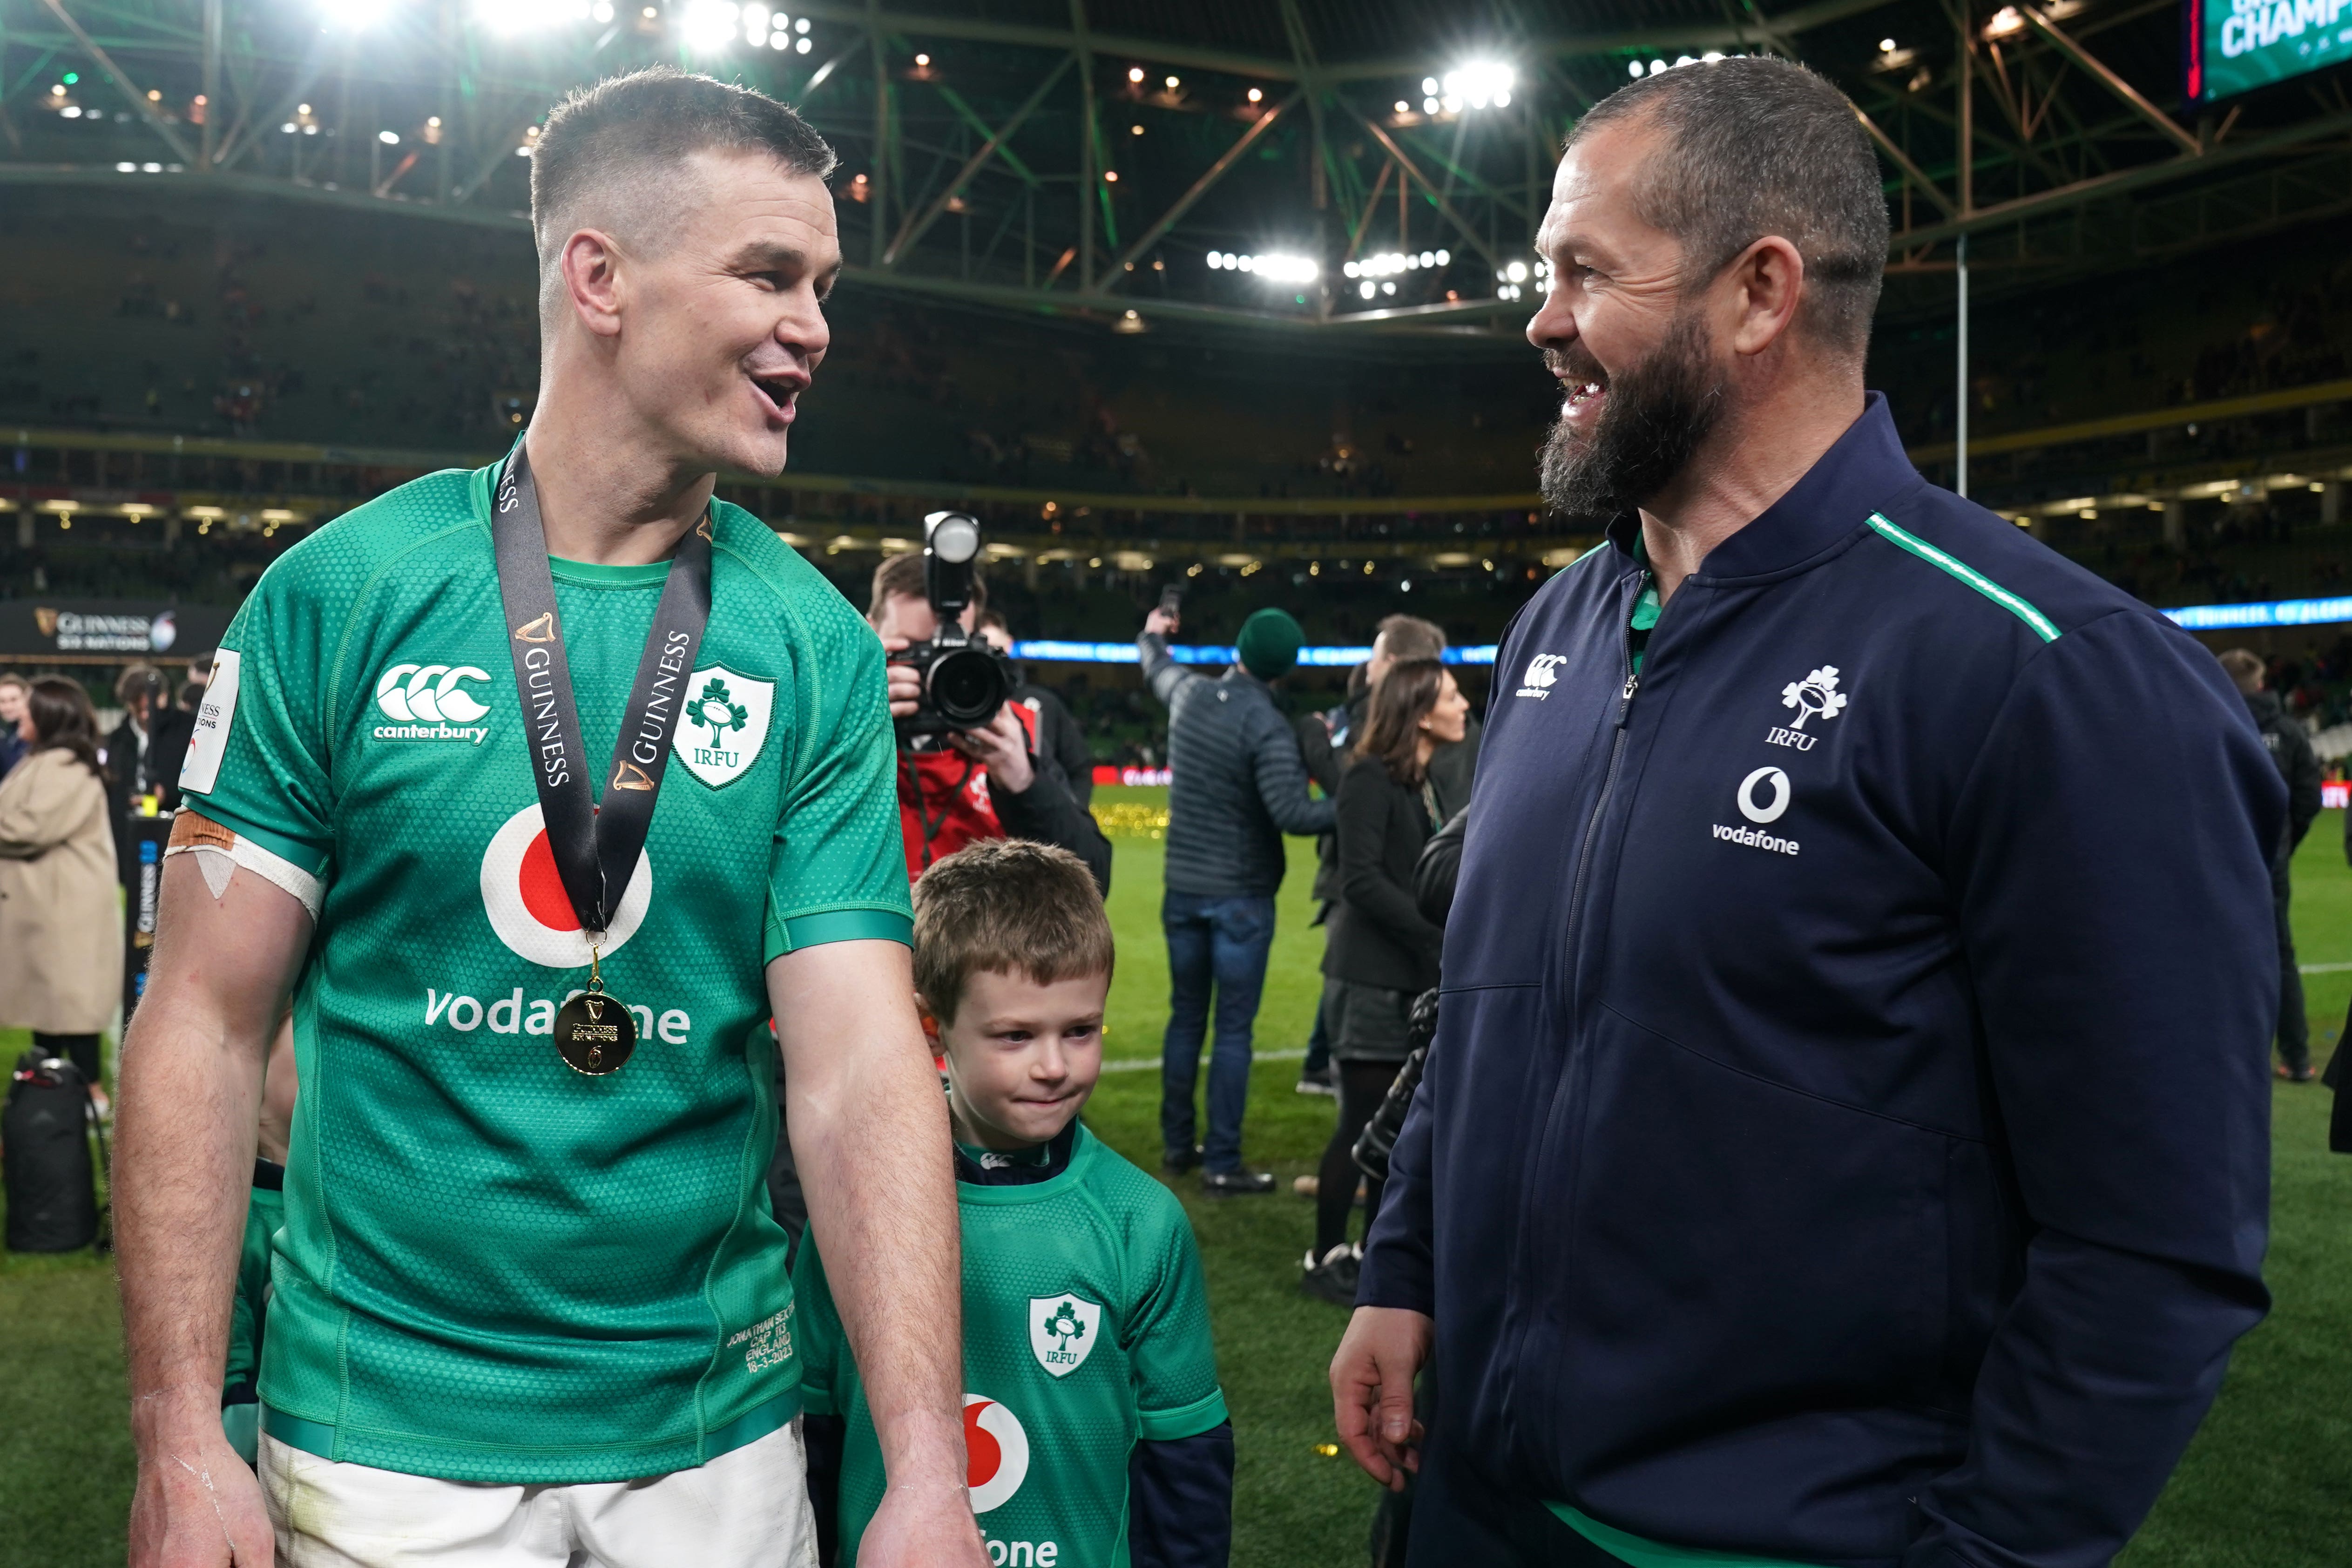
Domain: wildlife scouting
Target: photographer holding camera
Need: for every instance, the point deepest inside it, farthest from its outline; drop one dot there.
(969, 767)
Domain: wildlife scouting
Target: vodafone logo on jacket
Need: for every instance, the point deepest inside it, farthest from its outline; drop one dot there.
(523, 894)
(998, 1450)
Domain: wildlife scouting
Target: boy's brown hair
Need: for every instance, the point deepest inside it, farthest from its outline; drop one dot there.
(1009, 907)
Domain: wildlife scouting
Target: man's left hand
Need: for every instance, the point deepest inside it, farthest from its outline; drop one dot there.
(1003, 747)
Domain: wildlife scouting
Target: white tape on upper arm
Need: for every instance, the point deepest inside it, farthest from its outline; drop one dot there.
(218, 852)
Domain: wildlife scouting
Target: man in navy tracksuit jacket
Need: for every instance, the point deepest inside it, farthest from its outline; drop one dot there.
(1846, 1138)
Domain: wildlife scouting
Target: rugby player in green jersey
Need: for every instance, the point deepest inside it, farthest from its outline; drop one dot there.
(1096, 1430)
(528, 1305)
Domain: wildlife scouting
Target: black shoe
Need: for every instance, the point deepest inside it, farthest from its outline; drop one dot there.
(1176, 1162)
(1317, 1083)
(1333, 1279)
(1235, 1184)
(2296, 1074)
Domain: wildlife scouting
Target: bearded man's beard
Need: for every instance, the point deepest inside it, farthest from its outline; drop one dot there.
(1657, 415)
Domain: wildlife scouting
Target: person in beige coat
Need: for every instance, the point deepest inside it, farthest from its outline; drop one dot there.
(61, 911)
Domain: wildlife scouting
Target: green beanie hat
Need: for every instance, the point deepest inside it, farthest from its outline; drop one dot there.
(1268, 645)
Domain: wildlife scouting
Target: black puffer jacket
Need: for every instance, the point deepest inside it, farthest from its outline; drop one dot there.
(1237, 784)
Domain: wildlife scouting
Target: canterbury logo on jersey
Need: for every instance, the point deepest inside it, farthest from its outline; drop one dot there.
(429, 702)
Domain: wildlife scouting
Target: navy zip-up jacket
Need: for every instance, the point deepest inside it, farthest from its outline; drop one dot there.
(1847, 1135)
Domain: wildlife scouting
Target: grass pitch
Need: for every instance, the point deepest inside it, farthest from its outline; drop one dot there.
(2267, 1483)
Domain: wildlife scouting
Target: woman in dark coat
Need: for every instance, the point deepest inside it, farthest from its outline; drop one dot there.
(1383, 952)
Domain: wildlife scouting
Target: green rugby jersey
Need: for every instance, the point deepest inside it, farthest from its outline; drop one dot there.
(493, 1268)
(1085, 1326)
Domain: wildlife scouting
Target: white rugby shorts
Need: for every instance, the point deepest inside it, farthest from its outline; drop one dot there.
(749, 1508)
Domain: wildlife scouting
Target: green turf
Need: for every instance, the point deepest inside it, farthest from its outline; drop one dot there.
(2267, 1484)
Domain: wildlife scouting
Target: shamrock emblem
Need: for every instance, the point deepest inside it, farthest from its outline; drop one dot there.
(1817, 693)
(1066, 1325)
(717, 710)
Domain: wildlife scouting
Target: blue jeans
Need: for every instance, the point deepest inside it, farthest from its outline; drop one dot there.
(1220, 944)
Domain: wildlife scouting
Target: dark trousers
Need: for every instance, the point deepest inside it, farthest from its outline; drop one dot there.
(2293, 1027)
(1362, 1087)
(1461, 1520)
(79, 1049)
(1318, 1048)
(1216, 948)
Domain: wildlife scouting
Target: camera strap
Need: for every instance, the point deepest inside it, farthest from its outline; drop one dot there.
(910, 765)
(596, 848)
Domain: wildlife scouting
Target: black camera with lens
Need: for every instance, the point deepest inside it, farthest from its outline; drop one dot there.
(965, 680)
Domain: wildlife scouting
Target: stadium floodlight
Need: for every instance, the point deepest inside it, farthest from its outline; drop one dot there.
(755, 25)
(352, 15)
(514, 16)
(389, 138)
(1480, 84)
(1280, 268)
(804, 45)
(709, 25)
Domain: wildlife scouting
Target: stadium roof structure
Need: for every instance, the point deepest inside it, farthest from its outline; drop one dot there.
(1320, 167)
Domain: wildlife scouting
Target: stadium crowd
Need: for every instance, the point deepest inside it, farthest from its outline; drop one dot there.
(1653, 1120)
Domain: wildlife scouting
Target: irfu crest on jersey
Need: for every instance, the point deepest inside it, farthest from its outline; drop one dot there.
(1062, 1330)
(724, 725)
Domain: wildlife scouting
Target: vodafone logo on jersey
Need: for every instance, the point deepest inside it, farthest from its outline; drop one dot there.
(998, 1450)
(523, 894)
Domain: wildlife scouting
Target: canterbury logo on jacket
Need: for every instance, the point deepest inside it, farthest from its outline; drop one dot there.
(1846, 1141)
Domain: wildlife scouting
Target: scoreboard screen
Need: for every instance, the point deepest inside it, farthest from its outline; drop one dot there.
(2236, 46)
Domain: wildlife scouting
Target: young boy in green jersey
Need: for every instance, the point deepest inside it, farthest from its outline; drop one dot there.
(1097, 1433)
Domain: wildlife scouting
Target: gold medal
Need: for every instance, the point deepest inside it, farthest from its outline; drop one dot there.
(594, 1032)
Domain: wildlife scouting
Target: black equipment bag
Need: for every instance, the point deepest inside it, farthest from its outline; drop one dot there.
(52, 1187)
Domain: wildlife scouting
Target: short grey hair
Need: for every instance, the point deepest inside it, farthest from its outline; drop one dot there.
(616, 148)
(1757, 146)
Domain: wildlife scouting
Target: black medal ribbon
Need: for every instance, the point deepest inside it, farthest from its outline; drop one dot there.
(595, 849)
